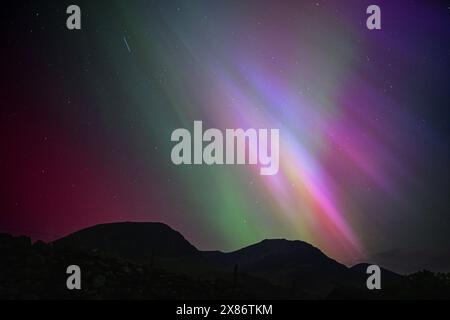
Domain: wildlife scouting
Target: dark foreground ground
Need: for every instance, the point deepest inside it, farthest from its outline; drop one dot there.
(38, 271)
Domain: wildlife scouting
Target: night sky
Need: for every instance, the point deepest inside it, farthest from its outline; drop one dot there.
(86, 119)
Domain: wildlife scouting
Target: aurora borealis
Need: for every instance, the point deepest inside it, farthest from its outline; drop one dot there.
(363, 116)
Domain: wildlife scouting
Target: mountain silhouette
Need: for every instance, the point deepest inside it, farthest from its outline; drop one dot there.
(294, 264)
(133, 260)
(291, 264)
(132, 240)
(152, 243)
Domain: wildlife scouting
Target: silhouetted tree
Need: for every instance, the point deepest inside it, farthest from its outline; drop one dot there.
(235, 272)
